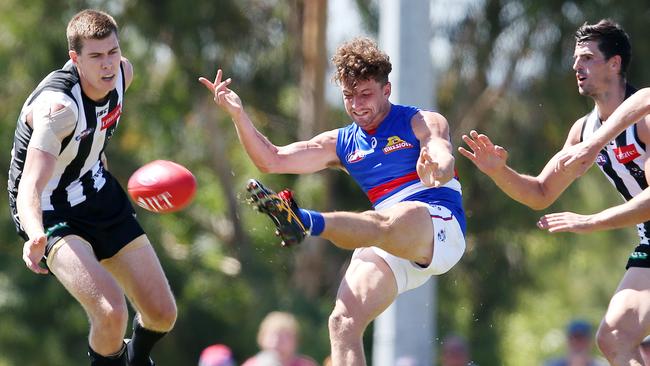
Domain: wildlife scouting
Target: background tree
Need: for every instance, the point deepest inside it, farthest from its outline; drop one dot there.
(505, 71)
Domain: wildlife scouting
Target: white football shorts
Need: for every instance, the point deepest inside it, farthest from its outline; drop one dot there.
(449, 246)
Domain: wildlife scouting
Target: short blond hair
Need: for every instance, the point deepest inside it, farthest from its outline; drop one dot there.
(89, 24)
(276, 321)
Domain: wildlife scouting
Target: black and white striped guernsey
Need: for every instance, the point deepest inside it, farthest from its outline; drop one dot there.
(79, 172)
(622, 161)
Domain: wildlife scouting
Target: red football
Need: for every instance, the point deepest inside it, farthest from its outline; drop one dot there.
(162, 186)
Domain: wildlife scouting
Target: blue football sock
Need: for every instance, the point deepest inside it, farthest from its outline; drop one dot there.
(313, 221)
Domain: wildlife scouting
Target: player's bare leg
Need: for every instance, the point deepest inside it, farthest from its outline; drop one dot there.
(404, 230)
(137, 269)
(367, 289)
(75, 266)
(627, 319)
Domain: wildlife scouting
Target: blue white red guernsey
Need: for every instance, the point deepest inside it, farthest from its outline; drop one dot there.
(383, 163)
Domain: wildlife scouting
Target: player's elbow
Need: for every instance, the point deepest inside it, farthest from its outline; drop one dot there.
(269, 166)
(538, 205)
(645, 95)
(540, 201)
(265, 168)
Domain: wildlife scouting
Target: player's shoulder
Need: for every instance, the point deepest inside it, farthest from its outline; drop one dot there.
(425, 120)
(577, 129)
(54, 101)
(127, 69)
(579, 124)
(643, 129)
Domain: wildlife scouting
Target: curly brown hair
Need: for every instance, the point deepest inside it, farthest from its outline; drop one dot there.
(360, 59)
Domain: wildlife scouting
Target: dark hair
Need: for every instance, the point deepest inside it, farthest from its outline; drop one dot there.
(361, 59)
(612, 40)
(89, 24)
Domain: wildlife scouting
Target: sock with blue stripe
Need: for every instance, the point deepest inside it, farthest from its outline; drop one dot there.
(313, 221)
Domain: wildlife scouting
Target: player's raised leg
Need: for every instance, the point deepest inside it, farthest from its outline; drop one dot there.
(404, 230)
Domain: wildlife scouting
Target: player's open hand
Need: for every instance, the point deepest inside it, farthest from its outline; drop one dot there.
(566, 222)
(488, 157)
(223, 96)
(579, 156)
(33, 251)
(430, 172)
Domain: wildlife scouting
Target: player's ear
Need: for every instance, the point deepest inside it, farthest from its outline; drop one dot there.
(387, 89)
(615, 62)
(73, 56)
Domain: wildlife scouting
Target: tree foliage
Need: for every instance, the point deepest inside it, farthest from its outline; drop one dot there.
(508, 74)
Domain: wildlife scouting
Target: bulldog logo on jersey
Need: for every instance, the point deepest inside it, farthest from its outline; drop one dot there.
(626, 154)
(396, 143)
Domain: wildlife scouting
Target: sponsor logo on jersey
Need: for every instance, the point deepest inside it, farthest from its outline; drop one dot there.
(601, 159)
(101, 111)
(627, 153)
(85, 133)
(357, 155)
(111, 117)
(396, 143)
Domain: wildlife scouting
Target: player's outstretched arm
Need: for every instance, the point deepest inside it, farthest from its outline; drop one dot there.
(630, 111)
(535, 192)
(634, 211)
(297, 158)
(224, 97)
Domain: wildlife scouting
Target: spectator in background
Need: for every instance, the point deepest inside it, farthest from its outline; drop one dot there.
(278, 340)
(327, 361)
(216, 355)
(579, 346)
(644, 348)
(455, 352)
(406, 361)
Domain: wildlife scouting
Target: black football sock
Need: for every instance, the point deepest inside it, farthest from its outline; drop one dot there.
(118, 359)
(142, 341)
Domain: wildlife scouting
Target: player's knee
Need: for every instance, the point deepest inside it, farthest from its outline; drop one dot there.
(111, 317)
(160, 317)
(613, 338)
(383, 222)
(342, 325)
(605, 341)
